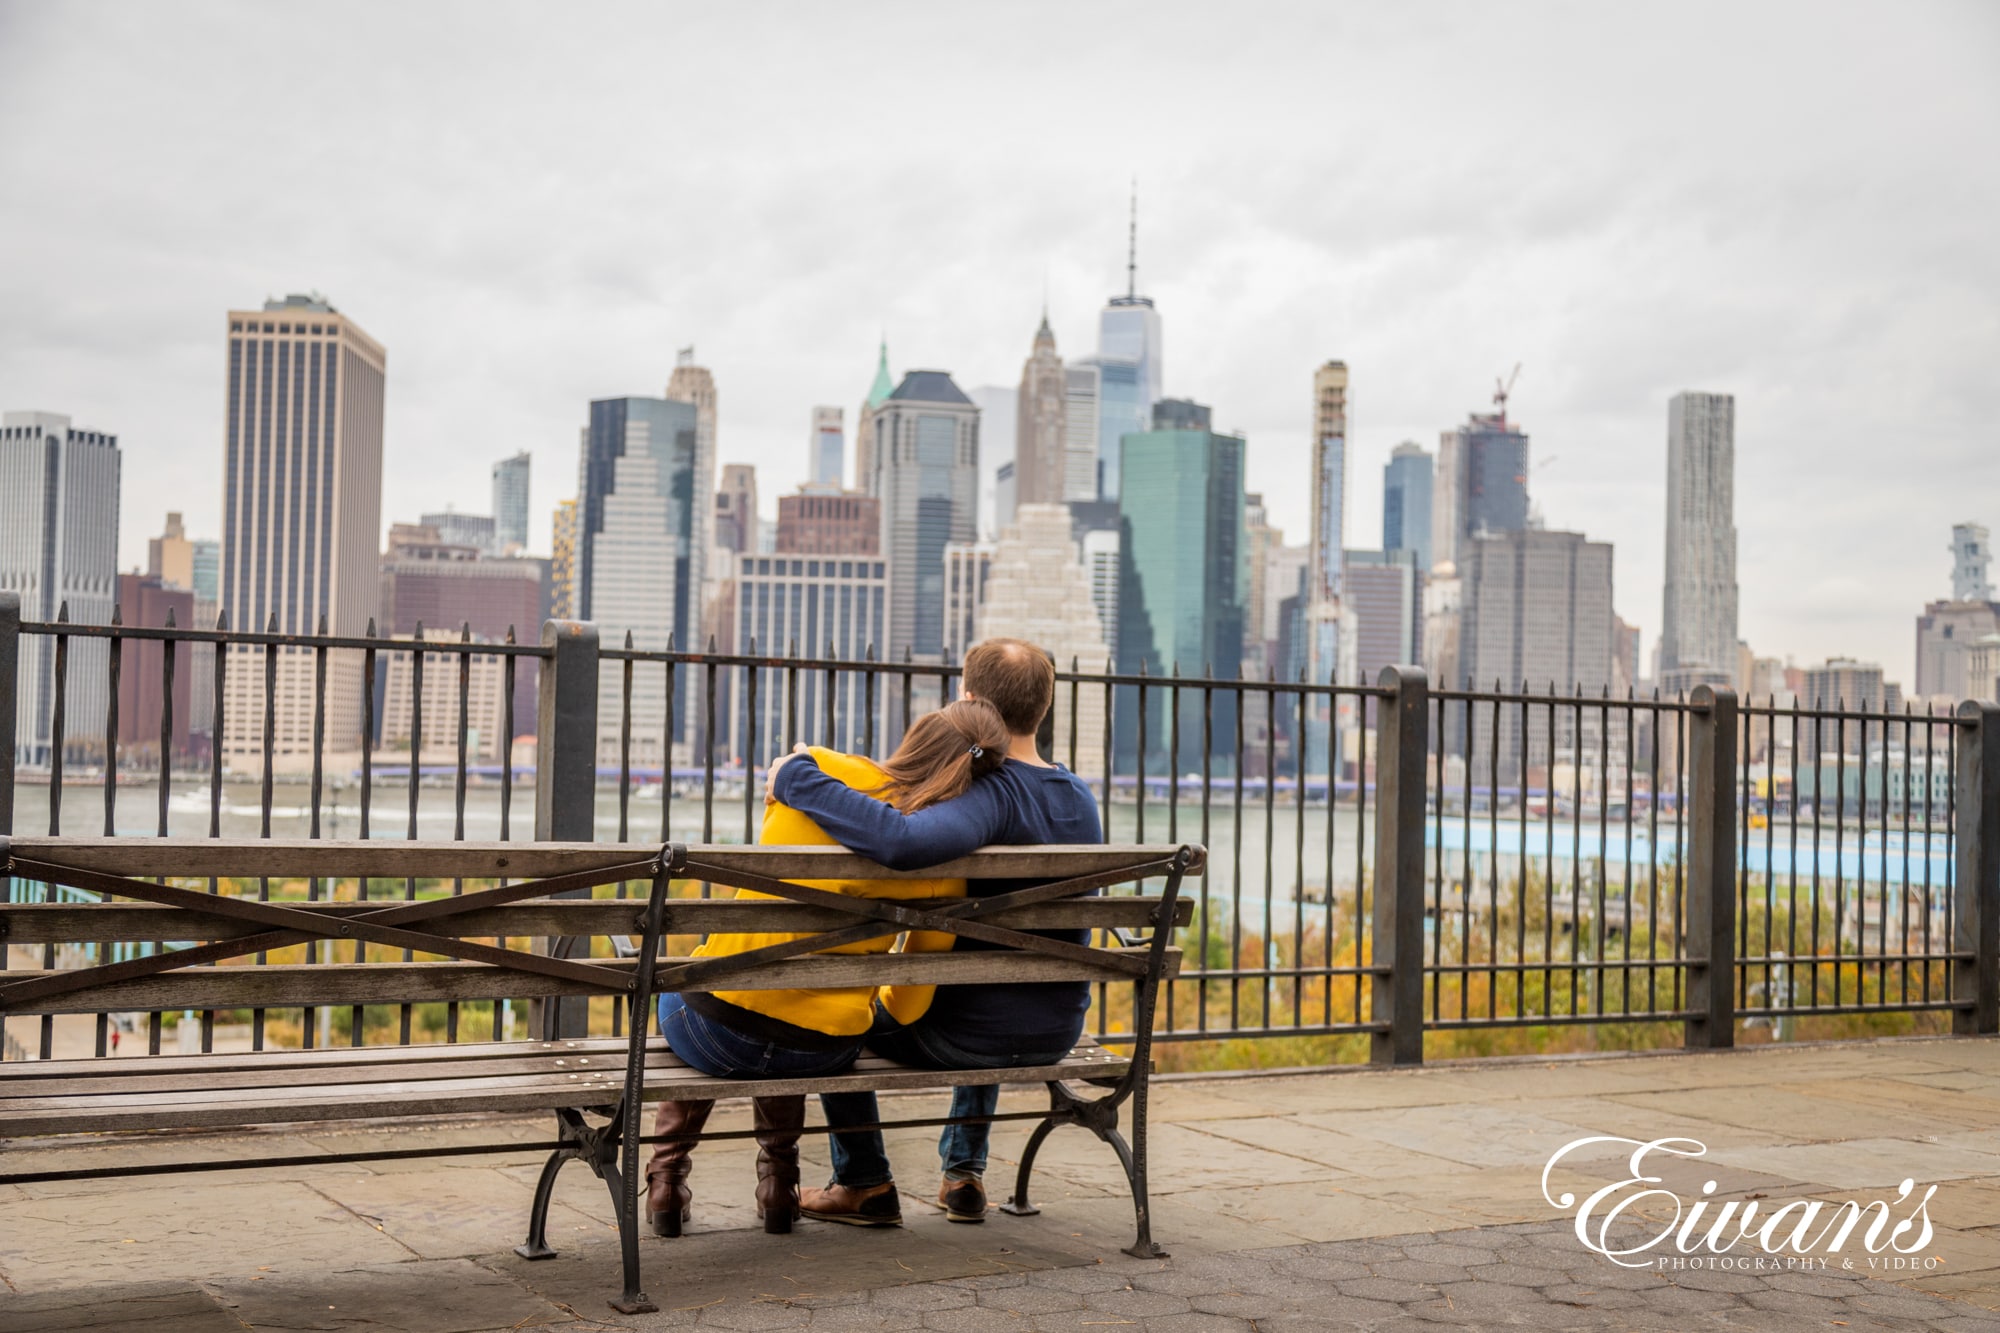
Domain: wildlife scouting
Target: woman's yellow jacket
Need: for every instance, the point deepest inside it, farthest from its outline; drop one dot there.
(844, 1011)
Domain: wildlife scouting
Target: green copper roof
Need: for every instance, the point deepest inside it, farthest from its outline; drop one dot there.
(878, 393)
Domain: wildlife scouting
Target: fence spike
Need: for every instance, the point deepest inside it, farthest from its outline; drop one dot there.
(62, 612)
(322, 624)
(371, 627)
(464, 631)
(170, 618)
(221, 619)
(117, 614)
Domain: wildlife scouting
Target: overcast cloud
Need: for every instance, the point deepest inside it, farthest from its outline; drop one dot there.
(534, 206)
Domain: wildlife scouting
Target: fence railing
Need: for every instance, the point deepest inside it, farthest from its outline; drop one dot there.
(1385, 858)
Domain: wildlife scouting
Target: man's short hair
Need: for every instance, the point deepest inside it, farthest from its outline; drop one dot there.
(1014, 676)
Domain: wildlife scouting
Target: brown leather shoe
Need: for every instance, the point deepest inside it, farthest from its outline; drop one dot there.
(778, 1122)
(876, 1206)
(669, 1201)
(962, 1200)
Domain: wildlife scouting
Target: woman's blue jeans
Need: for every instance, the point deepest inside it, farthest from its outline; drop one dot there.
(723, 1052)
(860, 1160)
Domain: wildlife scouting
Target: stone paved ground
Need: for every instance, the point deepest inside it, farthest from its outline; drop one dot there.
(1376, 1199)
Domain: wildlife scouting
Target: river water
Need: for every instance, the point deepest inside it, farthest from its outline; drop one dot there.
(1242, 865)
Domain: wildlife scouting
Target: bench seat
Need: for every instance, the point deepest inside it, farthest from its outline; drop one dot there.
(237, 1091)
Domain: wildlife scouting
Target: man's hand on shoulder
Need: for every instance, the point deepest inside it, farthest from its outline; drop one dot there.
(771, 774)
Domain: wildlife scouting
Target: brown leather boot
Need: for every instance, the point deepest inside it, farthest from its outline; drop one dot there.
(778, 1122)
(669, 1202)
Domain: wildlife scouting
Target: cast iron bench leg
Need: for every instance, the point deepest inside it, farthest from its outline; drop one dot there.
(570, 1127)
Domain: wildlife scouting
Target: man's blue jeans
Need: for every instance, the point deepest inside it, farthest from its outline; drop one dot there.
(723, 1052)
(860, 1160)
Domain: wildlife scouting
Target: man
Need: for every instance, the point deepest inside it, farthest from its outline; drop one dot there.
(1028, 801)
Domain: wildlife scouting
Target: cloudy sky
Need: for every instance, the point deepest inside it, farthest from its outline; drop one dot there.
(532, 206)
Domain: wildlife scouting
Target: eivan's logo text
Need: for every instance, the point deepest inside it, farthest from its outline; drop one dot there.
(1898, 1226)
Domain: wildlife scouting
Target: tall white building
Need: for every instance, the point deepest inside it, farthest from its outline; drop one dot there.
(1038, 589)
(638, 515)
(59, 494)
(1698, 626)
(510, 503)
(301, 516)
(1082, 390)
(997, 404)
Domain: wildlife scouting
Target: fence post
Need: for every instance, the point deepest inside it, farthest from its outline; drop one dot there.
(566, 786)
(1975, 987)
(1402, 735)
(10, 679)
(1711, 876)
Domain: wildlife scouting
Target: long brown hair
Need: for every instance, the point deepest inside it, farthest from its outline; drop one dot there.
(942, 753)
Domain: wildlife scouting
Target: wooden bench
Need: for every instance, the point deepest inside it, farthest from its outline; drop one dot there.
(506, 892)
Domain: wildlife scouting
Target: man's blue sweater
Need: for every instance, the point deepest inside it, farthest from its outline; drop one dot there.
(1022, 804)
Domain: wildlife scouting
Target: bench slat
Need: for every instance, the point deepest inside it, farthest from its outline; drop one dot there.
(44, 1115)
(378, 858)
(296, 985)
(88, 923)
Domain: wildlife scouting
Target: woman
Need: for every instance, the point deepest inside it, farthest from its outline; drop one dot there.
(800, 1033)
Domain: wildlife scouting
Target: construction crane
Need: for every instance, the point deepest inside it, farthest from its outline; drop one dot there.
(1500, 391)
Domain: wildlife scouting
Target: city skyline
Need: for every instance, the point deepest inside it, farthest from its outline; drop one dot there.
(1618, 279)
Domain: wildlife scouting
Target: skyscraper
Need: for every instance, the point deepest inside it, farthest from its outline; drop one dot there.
(828, 457)
(1386, 593)
(1130, 360)
(834, 606)
(59, 494)
(1535, 610)
(301, 513)
(510, 503)
(170, 556)
(1406, 503)
(693, 384)
(1037, 589)
(1182, 580)
(1329, 479)
(1950, 633)
(811, 523)
(1082, 391)
(1971, 559)
(476, 531)
(1482, 483)
(925, 448)
(998, 406)
(736, 509)
(864, 428)
(565, 602)
(1041, 431)
(637, 526)
(1698, 625)
(1100, 562)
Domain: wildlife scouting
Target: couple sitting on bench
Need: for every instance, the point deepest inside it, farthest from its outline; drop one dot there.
(964, 776)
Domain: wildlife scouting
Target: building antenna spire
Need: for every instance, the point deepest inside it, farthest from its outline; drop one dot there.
(1132, 246)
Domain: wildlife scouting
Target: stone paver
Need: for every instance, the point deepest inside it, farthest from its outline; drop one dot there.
(1384, 1200)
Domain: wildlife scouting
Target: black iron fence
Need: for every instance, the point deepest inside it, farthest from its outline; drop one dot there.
(1384, 858)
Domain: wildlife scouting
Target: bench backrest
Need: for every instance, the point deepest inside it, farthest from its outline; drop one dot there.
(358, 905)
